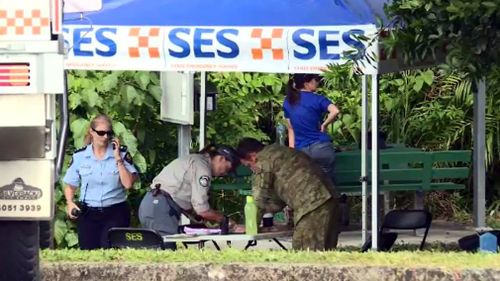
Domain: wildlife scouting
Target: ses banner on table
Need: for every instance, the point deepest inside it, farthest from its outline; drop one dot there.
(259, 49)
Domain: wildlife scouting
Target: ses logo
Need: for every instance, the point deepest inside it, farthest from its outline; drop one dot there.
(223, 43)
(89, 42)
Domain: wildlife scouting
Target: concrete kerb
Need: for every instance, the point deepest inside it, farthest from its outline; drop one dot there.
(252, 272)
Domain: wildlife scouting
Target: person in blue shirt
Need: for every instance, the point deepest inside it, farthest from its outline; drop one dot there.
(304, 112)
(103, 170)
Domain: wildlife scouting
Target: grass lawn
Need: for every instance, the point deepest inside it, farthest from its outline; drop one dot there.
(435, 258)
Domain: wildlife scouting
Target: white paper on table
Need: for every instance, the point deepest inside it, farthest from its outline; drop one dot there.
(202, 231)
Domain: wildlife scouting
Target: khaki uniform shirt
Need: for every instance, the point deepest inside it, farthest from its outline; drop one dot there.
(285, 176)
(187, 180)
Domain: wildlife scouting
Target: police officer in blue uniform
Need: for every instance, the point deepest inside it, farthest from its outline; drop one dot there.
(103, 170)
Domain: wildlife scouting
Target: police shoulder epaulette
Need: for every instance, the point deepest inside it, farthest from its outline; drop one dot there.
(80, 149)
(123, 148)
(74, 153)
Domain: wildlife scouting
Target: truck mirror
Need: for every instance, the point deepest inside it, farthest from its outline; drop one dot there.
(81, 6)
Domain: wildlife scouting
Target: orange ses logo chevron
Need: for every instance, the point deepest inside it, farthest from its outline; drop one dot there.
(143, 42)
(267, 43)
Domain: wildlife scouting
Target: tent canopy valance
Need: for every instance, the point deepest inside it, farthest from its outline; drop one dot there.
(219, 35)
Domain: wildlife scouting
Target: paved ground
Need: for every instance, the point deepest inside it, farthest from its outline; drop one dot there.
(440, 231)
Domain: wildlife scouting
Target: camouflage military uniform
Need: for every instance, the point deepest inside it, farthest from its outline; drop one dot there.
(288, 177)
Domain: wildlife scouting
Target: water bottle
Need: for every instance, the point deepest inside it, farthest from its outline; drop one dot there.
(280, 134)
(488, 243)
(250, 216)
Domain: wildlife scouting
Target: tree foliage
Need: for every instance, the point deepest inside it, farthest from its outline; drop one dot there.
(248, 105)
(467, 30)
(431, 109)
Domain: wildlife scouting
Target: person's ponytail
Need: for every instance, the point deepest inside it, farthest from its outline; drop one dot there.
(210, 149)
(292, 94)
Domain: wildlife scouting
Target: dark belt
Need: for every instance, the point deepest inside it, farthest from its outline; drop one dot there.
(102, 209)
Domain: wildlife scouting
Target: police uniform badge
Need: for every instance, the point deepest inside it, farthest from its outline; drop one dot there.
(204, 181)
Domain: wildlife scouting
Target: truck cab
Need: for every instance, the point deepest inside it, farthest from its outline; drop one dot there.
(32, 83)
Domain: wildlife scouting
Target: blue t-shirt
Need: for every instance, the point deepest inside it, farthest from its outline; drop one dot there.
(306, 117)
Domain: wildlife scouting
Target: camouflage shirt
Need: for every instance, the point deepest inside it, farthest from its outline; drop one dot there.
(285, 176)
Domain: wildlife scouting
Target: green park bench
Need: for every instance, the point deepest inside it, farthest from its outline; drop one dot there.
(401, 169)
(240, 180)
(406, 170)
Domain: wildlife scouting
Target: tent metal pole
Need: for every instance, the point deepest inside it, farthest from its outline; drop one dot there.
(479, 169)
(375, 160)
(203, 108)
(183, 144)
(364, 151)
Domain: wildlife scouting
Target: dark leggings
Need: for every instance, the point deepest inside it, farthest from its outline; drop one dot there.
(93, 226)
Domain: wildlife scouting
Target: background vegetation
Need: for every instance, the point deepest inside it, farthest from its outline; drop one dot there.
(431, 108)
(468, 31)
(426, 108)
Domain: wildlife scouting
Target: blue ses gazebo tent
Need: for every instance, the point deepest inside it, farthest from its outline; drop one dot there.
(280, 36)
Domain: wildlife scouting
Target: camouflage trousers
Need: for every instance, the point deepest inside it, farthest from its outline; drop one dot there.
(319, 229)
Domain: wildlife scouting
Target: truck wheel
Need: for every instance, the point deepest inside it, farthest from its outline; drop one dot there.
(19, 246)
(46, 234)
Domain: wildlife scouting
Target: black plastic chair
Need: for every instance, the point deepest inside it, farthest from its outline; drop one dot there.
(127, 237)
(401, 220)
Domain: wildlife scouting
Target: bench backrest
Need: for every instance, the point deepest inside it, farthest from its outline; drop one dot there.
(405, 167)
(243, 171)
(451, 164)
(402, 169)
(238, 180)
(394, 166)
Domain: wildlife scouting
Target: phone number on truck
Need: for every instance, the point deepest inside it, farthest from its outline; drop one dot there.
(20, 208)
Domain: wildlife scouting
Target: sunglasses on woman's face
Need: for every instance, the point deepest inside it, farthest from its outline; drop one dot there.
(102, 133)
